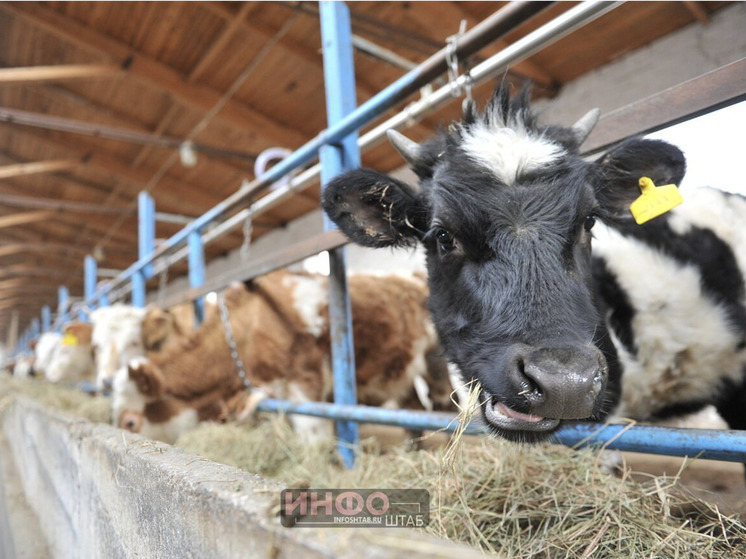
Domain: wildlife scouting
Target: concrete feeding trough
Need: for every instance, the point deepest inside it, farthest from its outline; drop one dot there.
(72, 488)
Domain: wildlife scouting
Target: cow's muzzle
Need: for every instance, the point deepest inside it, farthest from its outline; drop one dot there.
(546, 385)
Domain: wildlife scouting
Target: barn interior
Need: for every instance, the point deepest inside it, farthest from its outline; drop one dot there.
(103, 101)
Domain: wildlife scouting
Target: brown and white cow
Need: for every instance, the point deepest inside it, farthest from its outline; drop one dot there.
(123, 332)
(281, 328)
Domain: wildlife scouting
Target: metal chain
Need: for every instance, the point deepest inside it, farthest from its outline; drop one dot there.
(232, 343)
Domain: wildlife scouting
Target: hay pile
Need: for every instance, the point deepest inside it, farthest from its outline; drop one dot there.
(68, 399)
(520, 501)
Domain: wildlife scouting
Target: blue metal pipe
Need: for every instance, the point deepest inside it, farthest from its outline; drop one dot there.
(146, 230)
(339, 82)
(63, 298)
(90, 276)
(138, 289)
(145, 246)
(35, 330)
(46, 318)
(712, 444)
(197, 273)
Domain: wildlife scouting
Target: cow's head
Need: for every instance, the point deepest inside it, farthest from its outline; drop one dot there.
(116, 339)
(504, 208)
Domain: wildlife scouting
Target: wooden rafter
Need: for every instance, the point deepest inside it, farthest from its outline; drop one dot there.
(152, 72)
(22, 218)
(35, 167)
(28, 292)
(176, 193)
(27, 269)
(56, 73)
(20, 248)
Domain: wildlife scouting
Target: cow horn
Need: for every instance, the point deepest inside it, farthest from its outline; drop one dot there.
(408, 149)
(582, 128)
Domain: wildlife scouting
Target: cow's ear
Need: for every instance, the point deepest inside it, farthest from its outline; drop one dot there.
(375, 210)
(620, 170)
(147, 377)
(81, 330)
(156, 327)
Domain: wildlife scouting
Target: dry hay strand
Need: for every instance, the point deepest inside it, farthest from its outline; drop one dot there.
(539, 501)
(65, 398)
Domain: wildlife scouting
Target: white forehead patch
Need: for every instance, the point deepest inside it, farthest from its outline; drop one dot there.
(509, 152)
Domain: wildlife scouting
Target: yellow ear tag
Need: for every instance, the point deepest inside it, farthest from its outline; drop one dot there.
(69, 339)
(654, 200)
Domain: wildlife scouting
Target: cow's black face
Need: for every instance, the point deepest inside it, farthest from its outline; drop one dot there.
(511, 290)
(505, 210)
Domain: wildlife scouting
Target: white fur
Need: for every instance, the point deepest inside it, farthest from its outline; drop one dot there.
(23, 365)
(117, 337)
(310, 296)
(125, 395)
(312, 429)
(509, 152)
(71, 363)
(45, 349)
(684, 345)
(169, 431)
(709, 208)
(460, 389)
(422, 389)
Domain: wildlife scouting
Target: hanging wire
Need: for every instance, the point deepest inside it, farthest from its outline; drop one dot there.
(248, 229)
(452, 63)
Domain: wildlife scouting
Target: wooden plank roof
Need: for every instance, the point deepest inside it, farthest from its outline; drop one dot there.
(238, 77)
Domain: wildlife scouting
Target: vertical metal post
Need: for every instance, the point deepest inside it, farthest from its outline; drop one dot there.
(146, 233)
(63, 297)
(90, 275)
(46, 318)
(339, 79)
(35, 329)
(197, 272)
(145, 245)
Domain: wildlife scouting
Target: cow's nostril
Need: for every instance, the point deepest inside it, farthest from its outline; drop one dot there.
(527, 387)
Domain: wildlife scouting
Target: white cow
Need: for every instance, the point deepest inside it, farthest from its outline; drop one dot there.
(116, 339)
(44, 351)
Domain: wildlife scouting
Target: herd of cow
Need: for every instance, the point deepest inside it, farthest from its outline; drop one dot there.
(648, 322)
(164, 375)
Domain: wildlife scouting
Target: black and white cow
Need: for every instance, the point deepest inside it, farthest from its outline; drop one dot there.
(652, 325)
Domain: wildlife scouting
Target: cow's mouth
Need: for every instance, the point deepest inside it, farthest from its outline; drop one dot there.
(503, 418)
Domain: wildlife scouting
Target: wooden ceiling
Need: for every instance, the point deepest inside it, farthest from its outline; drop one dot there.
(239, 77)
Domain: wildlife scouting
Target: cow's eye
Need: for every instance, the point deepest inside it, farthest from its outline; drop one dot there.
(590, 221)
(445, 240)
